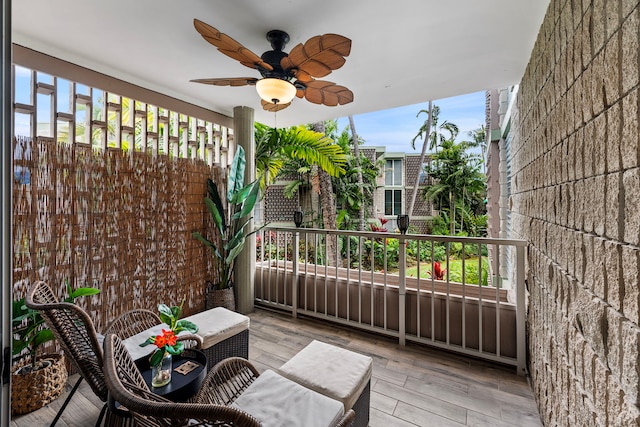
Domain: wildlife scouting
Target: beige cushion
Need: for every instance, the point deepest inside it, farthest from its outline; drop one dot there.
(218, 324)
(333, 371)
(277, 401)
(133, 342)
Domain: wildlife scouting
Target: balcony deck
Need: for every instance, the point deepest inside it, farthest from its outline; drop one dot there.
(411, 385)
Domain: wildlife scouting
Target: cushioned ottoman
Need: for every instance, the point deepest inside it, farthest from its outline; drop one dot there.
(224, 333)
(340, 374)
(277, 401)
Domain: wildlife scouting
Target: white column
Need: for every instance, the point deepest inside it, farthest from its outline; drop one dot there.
(246, 262)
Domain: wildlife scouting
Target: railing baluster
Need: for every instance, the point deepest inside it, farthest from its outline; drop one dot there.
(295, 257)
(402, 291)
(306, 269)
(418, 293)
(348, 274)
(326, 272)
(373, 269)
(448, 315)
(360, 251)
(464, 294)
(433, 292)
(384, 295)
(497, 309)
(284, 269)
(480, 336)
(315, 276)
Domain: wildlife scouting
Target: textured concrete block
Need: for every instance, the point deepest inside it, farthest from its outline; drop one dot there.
(631, 283)
(612, 269)
(600, 265)
(612, 19)
(631, 185)
(601, 395)
(629, 57)
(612, 206)
(598, 25)
(599, 203)
(614, 342)
(589, 142)
(614, 125)
(599, 147)
(629, 140)
(612, 73)
(593, 321)
(597, 83)
(630, 381)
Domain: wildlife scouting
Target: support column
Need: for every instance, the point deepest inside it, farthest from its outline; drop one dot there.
(246, 262)
(6, 180)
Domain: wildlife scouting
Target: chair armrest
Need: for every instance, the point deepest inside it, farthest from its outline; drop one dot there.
(226, 381)
(347, 419)
(192, 340)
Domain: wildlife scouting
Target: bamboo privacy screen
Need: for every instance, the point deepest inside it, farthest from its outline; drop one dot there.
(120, 221)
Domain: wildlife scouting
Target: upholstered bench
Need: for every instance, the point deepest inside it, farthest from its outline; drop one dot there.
(277, 401)
(224, 333)
(337, 373)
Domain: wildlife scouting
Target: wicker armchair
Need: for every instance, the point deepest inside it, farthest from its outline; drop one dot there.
(231, 377)
(75, 331)
(127, 387)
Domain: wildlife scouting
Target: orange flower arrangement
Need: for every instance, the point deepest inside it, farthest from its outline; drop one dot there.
(167, 342)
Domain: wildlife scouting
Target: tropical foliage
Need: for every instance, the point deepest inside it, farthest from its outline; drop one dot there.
(458, 182)
(230, 227)
(295, 149)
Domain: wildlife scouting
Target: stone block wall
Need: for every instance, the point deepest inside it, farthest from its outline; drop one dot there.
(575, 196)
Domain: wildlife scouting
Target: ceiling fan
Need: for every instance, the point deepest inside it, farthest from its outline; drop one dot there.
(285, 75)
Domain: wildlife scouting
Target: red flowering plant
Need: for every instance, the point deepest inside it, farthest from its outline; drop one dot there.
(438, 271)
(167, 342)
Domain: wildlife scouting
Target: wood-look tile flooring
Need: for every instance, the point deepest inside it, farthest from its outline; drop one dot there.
(411, 386)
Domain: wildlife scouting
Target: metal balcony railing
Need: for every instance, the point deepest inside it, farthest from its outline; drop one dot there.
(457, 293)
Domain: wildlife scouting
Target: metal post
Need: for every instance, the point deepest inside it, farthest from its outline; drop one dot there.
(520, 312)
(402, 264)
(295, 254)
(6, 159)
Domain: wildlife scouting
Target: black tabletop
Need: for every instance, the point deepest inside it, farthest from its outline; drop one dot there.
(182, 387)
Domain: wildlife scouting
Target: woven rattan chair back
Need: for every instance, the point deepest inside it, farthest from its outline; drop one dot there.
(127, 387)
(132, 323)
(74, 330)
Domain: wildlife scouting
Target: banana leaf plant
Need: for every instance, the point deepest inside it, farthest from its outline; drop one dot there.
(230, 226)
(29, 330)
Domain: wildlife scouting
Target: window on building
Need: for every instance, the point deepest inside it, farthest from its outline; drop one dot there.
(393, 172)
(392, 202)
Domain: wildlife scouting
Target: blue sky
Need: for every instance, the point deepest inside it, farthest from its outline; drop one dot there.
(395, 128)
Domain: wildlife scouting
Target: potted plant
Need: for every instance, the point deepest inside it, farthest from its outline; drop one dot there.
(230, 229)
(37, 379)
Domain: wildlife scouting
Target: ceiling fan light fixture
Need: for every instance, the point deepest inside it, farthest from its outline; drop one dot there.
(276, 91)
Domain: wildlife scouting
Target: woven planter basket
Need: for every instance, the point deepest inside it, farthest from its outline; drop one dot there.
(33, 390)
(220, 298)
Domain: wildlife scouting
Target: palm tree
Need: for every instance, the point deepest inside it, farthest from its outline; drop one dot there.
(354, 190)
(436, 133)
(456, 176)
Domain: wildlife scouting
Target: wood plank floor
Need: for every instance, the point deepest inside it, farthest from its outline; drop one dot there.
(411, 386)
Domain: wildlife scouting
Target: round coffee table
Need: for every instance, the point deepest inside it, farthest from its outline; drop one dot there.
(182, 386)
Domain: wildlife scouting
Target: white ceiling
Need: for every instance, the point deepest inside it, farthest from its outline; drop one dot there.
(403, 51)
